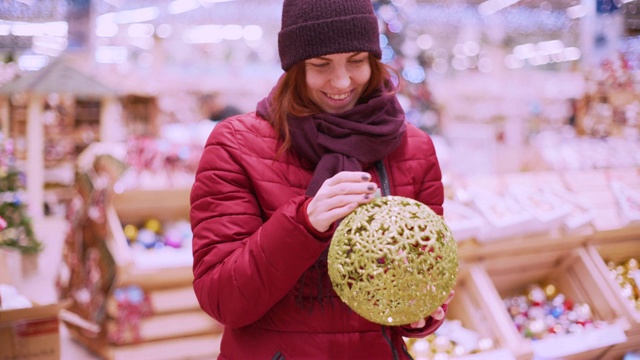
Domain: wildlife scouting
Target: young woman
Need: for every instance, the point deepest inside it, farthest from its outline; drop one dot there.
(272, 185)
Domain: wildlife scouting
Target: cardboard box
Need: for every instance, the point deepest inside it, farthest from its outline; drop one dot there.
(575, 275)
(30, 333)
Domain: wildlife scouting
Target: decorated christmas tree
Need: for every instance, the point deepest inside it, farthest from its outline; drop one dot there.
(15, 224)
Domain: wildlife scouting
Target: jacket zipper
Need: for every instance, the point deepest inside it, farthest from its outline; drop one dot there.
(386, 191)
(384, 178)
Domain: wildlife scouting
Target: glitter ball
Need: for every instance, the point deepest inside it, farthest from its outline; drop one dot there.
(393, 259)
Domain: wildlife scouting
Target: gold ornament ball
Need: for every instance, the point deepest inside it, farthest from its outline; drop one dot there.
(154, 225)
(393, 261)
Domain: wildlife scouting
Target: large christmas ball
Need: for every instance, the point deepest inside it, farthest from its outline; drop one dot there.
(393, 261)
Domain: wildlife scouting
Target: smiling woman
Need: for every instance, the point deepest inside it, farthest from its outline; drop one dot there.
(273, 184)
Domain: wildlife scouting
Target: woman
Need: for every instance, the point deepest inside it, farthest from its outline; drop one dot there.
(271, 186)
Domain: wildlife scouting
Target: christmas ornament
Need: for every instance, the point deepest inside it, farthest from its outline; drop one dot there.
(131, 232)
(393, 261)
(154, 225)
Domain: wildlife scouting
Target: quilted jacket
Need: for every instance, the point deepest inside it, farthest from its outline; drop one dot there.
(256, 267)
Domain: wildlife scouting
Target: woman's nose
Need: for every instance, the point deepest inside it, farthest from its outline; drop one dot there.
(340, 79)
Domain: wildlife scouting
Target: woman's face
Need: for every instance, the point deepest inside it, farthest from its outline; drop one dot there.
(335, 82)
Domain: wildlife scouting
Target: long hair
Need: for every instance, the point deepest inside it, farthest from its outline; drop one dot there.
(291, 97)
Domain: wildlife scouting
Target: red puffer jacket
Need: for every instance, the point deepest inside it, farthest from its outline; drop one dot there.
(256, 267)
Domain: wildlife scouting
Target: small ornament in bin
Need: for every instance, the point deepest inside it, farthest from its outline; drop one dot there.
(131, 233)
(154, 225)
(393, 261)
(627, 274)
(177, 233)
(544, 311)
(147, 238)
(451, 340)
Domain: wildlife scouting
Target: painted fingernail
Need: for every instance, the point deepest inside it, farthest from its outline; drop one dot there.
(366, 196)
(366, 177)
(370, 187)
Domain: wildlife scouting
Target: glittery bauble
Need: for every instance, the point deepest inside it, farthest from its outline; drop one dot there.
(393, 261)
(153, 225)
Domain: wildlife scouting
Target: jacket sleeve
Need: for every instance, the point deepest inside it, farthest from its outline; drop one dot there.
(243, 264)
(430, 189)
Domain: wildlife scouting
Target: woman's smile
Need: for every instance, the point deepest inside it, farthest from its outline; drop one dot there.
(335, 82)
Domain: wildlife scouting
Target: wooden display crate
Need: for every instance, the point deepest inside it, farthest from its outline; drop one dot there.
(464, 307)
(575, 275)
(151, 309)
(618, 252)
(204, 346)
(136, 206)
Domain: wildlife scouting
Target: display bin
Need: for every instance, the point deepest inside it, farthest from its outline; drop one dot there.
(603, 250)
(150, 309)
(575, 275)
(464, 307)
(163, 276)
(136, 206)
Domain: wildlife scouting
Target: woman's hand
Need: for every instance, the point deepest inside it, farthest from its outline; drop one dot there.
(438, 314)
(338, 196)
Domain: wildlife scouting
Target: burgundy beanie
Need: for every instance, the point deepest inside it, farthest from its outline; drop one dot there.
(312, 28)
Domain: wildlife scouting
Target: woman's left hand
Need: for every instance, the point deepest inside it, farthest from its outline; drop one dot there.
(438, 314)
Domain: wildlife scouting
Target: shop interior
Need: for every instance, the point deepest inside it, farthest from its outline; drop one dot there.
(105, 106)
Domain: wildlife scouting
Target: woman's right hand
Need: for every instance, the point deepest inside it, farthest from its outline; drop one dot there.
(338, 197)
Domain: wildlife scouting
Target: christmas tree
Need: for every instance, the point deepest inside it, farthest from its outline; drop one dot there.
(15, 224)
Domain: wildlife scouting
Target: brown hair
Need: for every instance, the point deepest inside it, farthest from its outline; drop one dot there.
(291, 97)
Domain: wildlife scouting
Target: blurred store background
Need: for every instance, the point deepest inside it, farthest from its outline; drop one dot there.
(534, 106)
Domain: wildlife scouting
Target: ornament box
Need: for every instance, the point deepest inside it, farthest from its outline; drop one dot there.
(549, 210)
(592, 186)
(505, 217)
(574, 275)
(31, 333)
(464, 222)
(618, 252)
(628, 198)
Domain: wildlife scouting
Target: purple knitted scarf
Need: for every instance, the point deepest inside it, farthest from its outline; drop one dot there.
(343, 142)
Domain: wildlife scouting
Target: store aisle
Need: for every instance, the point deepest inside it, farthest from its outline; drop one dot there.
(39, 275)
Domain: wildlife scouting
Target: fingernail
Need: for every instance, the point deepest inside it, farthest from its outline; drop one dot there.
(377, 194)
(366, 196)
(366, 177)
(370, 187)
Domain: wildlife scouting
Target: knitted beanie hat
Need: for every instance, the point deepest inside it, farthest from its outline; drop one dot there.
(312, 28)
